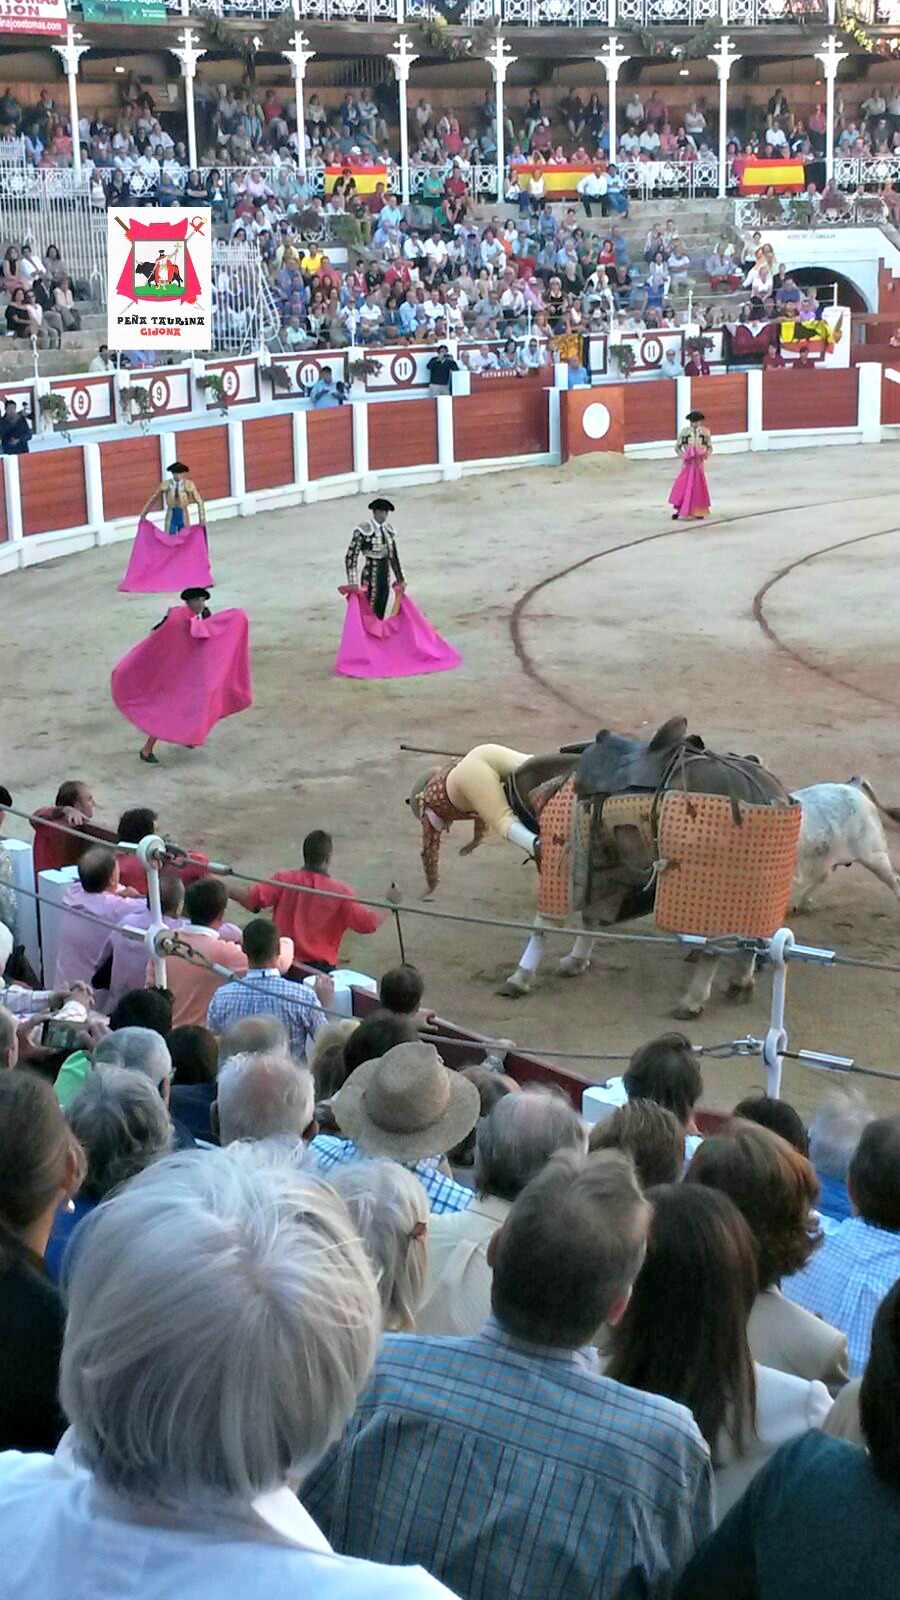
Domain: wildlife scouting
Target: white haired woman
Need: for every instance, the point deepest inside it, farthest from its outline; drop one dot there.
(390, 1209)
(222, 1320)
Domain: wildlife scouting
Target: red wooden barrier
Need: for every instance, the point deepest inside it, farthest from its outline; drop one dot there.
(403, 434)
(330, 435)
(809, 399)
(53, 490)
(130, 469)
(205, 451)
(268, 452)
(650, 413)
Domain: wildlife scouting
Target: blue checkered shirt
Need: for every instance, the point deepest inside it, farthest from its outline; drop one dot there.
(846, 1281)
(267, 994)
(444, 1194)
(515, 1472)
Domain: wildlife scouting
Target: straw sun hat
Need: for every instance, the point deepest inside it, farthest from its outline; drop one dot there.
(406, 1105)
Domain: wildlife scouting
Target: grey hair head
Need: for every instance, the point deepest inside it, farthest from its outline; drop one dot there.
(223, 1318)
(137, 1050)
(835, 1132)
(253, 1036)
(7, 1029)
(520, 1135)
(121, 1124)
(390, 1210)
(263, 1096)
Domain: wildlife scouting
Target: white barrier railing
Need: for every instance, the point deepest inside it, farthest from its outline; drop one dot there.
(855, 211)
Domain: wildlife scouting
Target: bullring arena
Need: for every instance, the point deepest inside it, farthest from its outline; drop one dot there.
(576, 604)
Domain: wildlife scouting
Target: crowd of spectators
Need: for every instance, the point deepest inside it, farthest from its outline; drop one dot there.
(300, 1307)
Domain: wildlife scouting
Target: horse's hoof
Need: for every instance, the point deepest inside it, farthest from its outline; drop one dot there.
(572, 966)
(517, 984)
(687, 1013)
(740, 993)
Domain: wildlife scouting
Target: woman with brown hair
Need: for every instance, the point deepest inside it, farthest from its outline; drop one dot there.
(684, 1335)
(41, 1167)
(775, 1188)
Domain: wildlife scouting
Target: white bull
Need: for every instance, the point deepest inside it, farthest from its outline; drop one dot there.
(840, 827)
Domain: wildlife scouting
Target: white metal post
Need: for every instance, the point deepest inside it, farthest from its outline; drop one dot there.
(152, 853)
(401, 60)
(500, 59)
(612, 58)
(70, 54)
(299, 57)
(775, 1042)
(724, 59)
(831, 58)
(188, 55)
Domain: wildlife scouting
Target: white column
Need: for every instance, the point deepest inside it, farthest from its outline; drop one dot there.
(831, 58)
(500, 60)
(723, 60)
(299, 57)
(869, 402)
(612, 58)
(188, 55)
(401, 60)
(70, 54)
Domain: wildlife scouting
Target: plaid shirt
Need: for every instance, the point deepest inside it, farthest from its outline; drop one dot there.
(267, 994)
(515, 1472)
(444, 1194)
(846, 1281)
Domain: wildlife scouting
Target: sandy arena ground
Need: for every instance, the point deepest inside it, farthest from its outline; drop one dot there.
(576, 604)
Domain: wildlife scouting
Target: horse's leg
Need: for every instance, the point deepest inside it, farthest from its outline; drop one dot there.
(699, 988)
(743, 983)
(520, 981)
(579, 958)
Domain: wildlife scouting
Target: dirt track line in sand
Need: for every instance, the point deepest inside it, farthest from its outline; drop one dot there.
(517, 614)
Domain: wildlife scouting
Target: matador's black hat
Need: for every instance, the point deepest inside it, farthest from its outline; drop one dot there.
(194, 594)
(381, 505)
(696, 416)
(178, 466)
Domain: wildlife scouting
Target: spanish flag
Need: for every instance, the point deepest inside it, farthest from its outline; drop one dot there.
(366, 177)
(815, 335)
(785, 177)
(560, 181)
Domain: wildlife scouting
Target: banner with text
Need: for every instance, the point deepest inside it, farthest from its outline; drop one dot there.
(33, 16)
(160, 279)
(147, 11)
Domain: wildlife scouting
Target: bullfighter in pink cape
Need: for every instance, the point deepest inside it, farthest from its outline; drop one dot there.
(192, 670)
(375, 644)
(690, 491)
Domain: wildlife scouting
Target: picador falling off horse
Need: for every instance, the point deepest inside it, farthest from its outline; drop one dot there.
(590, 814)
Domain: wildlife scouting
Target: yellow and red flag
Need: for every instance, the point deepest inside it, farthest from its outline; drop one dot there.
(816, 335)
(757, 175)
(365, 177)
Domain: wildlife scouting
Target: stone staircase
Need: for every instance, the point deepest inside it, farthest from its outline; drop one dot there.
(75, 354)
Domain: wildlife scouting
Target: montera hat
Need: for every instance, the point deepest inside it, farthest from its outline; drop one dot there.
(178, 466)
(194, 594)
(406, 1105)
(381, 505)
(696, 416)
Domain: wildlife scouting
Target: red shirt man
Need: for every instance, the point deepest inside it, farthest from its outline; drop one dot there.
(52, 848)
(315, 923)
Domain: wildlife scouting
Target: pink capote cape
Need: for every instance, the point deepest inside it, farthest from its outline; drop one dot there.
(166, 563)
(690, 491)
(186, 675)
(404, 645)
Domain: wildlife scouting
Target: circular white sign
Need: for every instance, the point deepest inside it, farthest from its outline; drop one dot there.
(596, 420)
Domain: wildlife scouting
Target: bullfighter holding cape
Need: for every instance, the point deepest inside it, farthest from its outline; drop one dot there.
(175, 556)
(375, 644)
(690, 491)
(192, 670)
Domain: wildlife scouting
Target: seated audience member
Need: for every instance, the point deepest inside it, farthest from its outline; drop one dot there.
(96, 895)
(326, 1058)
(821, 1521)
(163, 1322)
(263, 1096)
(192, 982)
(408, 1106)
(666, 1071)
(834, 1134)
(562, 1482)
(122, 1126)
(698, 1283)
(9, 1040)
(492, 1085)
(195, 1062)
(860, 1261)
(41, 1167)
(139, 1008)
(316, 922)
(400, 992)
(774, 1188)
(389, 1208)
(776, 1115)
(513, 1144)
(122, 962)
(270, 994)
(652, 1137)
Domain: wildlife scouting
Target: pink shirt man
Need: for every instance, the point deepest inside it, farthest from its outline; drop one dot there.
(80, 942)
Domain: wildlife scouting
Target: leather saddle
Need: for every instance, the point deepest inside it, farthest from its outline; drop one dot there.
(521, 785)
(614, 764)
